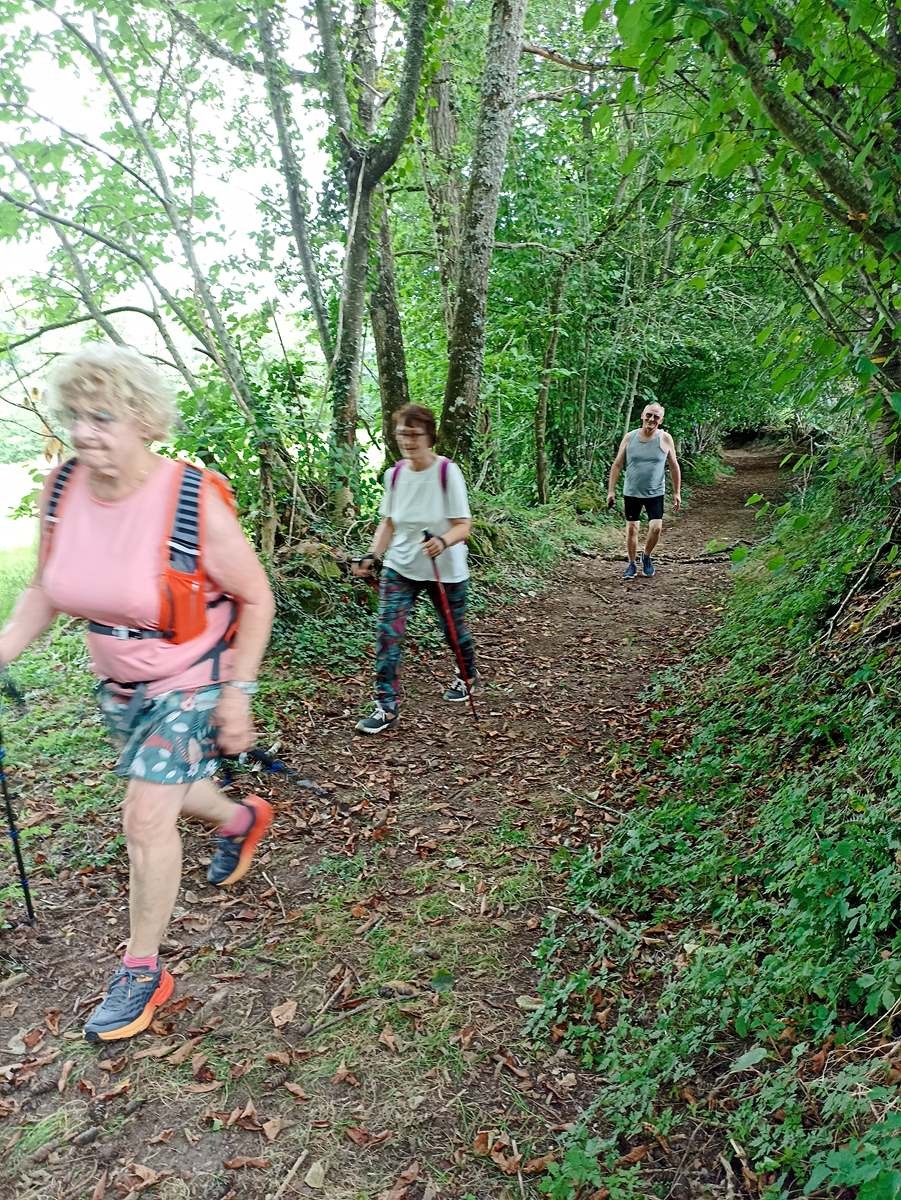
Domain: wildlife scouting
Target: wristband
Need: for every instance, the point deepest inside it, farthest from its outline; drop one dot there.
(240, 685)
(441, 540)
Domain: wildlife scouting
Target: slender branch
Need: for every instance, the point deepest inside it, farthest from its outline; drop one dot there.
(107, 312)
(77, 137)
(84, 283)
(334, 69)
(388, 147)
(244, 62)
(884, 55)
(574, 64)
(293, 178)
(119, 247)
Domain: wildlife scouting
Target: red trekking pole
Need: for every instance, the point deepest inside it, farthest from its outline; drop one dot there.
(452, 630)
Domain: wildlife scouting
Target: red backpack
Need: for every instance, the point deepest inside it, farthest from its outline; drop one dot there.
(183, 582)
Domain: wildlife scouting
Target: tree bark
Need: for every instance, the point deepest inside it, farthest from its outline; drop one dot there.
(442, 179)
(364, 165)
(547, 372)
(459, 418)
(387, 331)
(294, 184)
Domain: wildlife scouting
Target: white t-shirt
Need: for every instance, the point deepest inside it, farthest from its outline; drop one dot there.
(418, 502)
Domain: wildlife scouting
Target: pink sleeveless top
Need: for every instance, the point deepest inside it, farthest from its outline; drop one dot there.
(104, 565)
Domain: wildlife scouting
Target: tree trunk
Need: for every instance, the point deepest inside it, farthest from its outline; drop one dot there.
(279, 106)
(345, 384)
(442, 179)
(388, 335)
(459, 418)
(547, 371)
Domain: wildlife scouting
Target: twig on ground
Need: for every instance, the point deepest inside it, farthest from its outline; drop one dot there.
(608, 921)
(283, 1187)
(345, 1016)
(278, 894)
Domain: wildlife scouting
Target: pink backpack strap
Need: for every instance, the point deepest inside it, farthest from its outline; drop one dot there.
(395, 471)
(442, 471)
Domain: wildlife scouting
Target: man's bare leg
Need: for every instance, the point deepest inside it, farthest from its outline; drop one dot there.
(654, 530)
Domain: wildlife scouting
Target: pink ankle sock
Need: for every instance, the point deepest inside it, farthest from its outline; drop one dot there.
(134, 962)
(241, 821)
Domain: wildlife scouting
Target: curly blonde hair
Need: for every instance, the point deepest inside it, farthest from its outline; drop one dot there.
(121, 379)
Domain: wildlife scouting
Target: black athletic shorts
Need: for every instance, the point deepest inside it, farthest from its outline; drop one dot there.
(634, 504)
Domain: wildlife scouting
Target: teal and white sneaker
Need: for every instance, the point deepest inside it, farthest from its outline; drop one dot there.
(647, 567)
(631, 571)
(130, 1003)
(378, 721)
(459, 691)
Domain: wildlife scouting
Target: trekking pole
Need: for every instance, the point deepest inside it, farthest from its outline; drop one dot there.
(13, 692)
(270, 766)
(452, 631)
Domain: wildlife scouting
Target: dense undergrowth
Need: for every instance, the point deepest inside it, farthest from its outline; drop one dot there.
(746, 995)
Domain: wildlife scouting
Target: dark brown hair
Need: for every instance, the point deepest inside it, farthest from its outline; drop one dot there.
(420, 417)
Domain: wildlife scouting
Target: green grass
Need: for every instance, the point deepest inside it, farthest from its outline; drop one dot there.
(16, 570)
(769, 855)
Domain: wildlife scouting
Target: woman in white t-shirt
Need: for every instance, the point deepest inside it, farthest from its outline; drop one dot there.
(422, 492)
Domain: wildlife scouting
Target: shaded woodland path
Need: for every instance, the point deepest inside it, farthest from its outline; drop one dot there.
(351, 1022)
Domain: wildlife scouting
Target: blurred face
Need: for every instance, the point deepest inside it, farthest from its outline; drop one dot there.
(650, 420)
(413, 441)
(105, 441)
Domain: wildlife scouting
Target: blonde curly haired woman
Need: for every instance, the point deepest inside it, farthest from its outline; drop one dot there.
(174, 698)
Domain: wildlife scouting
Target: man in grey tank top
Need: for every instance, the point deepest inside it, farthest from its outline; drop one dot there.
(645, 453)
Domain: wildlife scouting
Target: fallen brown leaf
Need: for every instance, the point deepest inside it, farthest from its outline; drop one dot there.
(236, 1164)
(342, 1075)
(184, 1052)
(534, 1165)
(387, 1038)
(401, 1185)
(271, 1129)
(635, 1155)
(158, 1050)
(64, 1074)
(283, 1014)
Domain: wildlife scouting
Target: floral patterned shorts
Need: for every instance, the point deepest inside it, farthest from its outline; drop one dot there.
(166, 739)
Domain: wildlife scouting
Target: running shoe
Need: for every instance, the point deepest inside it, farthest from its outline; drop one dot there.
(631, 571)
(129, 1005)
(459, 690)
(378, 721)
(233, 855)
(647, 567)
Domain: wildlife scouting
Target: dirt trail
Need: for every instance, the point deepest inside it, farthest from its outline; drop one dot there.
(399, 915)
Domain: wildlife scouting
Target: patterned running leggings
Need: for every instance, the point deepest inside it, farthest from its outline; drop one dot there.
(397, 595)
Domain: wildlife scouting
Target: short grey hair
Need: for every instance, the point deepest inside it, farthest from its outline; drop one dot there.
(659, 407)
(121, 378)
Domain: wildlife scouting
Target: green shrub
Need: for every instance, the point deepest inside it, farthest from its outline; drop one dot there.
(769, 857)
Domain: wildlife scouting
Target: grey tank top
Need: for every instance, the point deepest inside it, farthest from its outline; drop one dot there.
(645, 467)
